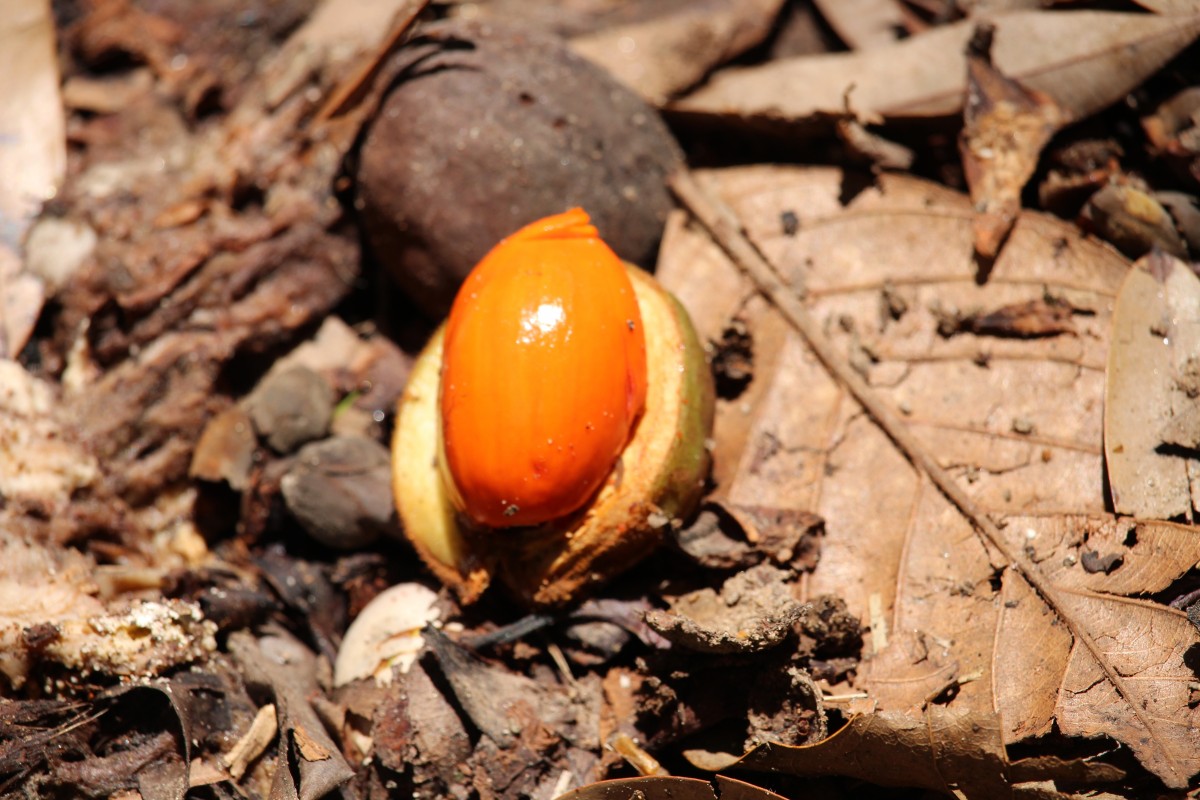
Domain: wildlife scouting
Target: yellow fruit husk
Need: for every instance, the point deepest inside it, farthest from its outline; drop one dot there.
(657, 483)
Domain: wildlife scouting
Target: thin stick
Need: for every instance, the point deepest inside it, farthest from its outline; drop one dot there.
(725, 229)
(349, 91)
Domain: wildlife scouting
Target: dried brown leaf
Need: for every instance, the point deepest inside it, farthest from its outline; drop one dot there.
(1083, 60)
(1048, 767)
(660, 57)
(1152, 380)
(1005, 128)
(1018, 423)
(497, 700)
(225, 450)
(33, 155)
(413, 726)
(864, 24)
(33, 146)
(944, 750)
(1144, 639)
(667, 788)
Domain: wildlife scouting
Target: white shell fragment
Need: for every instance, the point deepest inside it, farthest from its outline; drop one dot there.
(386, 634)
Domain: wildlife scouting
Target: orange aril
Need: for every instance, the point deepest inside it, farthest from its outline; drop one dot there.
(543, 374)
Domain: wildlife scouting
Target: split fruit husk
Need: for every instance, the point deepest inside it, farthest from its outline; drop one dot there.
(657, 483)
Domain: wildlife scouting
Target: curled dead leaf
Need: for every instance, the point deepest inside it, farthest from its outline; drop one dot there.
(1005, 128)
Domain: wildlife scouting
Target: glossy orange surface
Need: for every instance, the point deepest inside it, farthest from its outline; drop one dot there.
(543, 374)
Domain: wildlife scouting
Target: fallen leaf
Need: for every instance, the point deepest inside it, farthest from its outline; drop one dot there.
(1152, 379)
(660, 57)
(495, 700)
(864, 24)
(33, 156)
(1079, 771)
(123, 738)
(1017, 422)
(668, 788)
(1083, 60)
(225, 450)
(1056, 681)
(944, 750)
(785, 536)
(1005, 127)
(32, 145)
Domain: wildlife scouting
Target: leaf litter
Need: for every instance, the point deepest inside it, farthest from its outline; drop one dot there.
(199, 237)
(974, 417)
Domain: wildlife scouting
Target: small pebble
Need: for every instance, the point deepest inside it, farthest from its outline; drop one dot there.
(340, 491)
(291, 407)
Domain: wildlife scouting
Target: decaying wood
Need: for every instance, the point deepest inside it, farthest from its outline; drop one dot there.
(229, 255)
